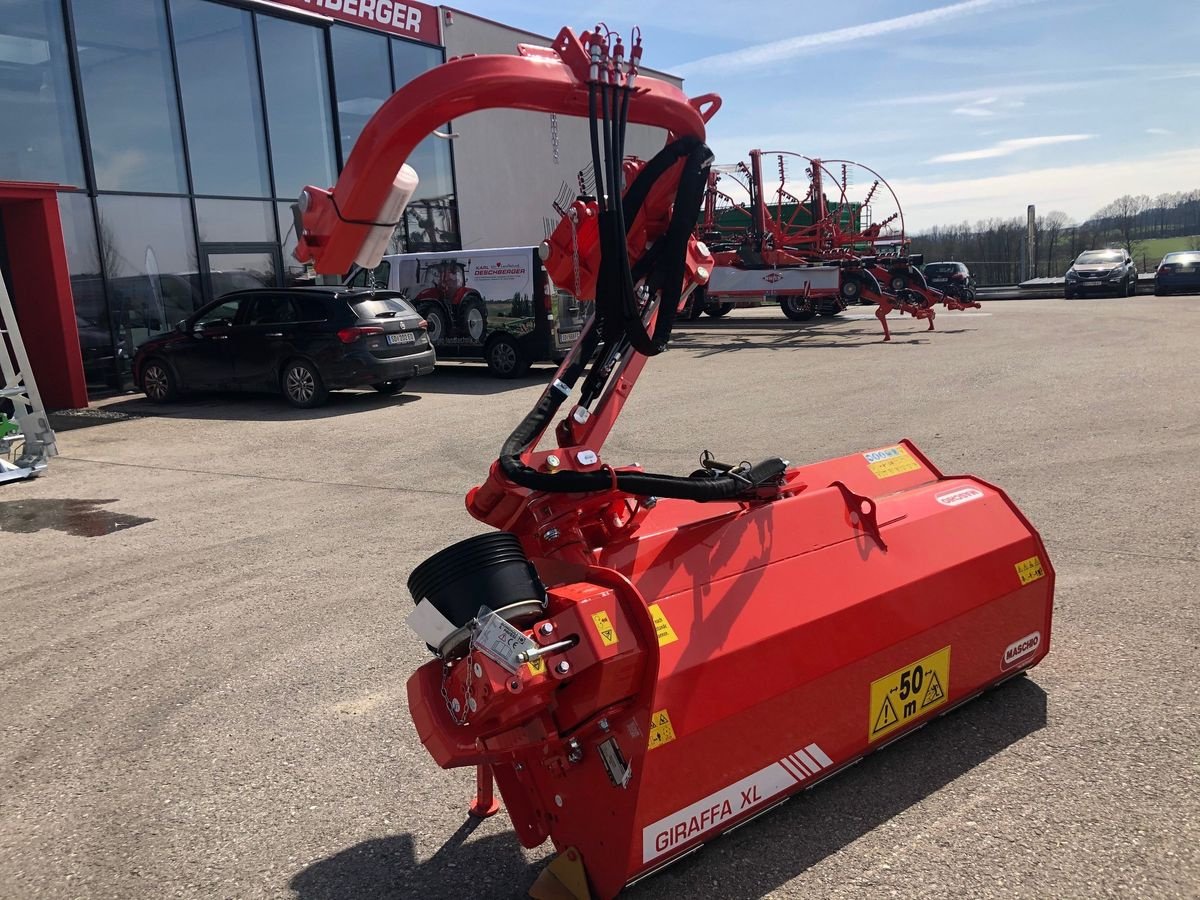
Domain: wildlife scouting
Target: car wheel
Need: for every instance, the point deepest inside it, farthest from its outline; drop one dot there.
(1158, 292)
(716, 310)
(1069, 294)
(302, 385)
(898, 283)
(796, 308)
(436, 323)
(474, 318)
(158, 384)
(504, 356)
(391, 388)
(1131, 288)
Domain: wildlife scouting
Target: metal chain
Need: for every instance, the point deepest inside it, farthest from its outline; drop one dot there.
(554, 135)
(451, 705)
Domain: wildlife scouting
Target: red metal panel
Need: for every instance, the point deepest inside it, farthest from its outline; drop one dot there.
(41, 291)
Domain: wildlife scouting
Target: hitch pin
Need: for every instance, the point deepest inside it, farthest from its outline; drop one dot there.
(529, 655)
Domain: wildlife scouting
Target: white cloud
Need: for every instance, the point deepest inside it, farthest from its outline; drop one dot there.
(1077, 190)
(1009, 147)
(776, 51)
(1159, 131)
(981, 108)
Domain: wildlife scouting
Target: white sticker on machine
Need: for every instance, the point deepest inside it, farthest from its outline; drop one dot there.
(959, 497)
(719, 809)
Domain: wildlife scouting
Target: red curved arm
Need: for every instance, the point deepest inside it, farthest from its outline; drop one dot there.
(336, 222)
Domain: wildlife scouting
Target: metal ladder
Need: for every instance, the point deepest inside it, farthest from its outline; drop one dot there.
(27, 441)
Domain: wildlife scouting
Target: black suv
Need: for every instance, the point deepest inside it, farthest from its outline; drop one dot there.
(1102, 272)
(303, 342)
(952, 278)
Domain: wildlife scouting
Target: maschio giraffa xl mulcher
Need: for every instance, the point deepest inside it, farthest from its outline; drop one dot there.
(644, 661)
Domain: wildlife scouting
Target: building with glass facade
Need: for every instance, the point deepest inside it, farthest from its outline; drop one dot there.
(177, 133)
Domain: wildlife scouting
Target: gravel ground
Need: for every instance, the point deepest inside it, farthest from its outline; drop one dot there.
(203, 655)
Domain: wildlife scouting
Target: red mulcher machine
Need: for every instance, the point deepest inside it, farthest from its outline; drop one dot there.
(642, 661)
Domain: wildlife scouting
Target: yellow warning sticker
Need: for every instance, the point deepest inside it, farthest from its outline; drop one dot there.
(604, 627)
(1030, 570)
(661, 731)
(666, 634)
(890, 461)
(536, 666)
(908, 693)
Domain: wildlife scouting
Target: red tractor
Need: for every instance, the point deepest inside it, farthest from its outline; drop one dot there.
(450, 307)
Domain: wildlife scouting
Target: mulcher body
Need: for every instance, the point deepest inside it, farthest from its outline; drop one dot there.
(639, 671)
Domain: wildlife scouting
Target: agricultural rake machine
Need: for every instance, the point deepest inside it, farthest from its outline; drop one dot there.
(811, 254)
(641, 661)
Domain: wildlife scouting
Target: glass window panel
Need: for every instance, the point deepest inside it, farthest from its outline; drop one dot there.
(362, 79)
(431, 220)
(294, 272)
(129, 95)
(222, 106)
(293, 66)
(39, 137)
(235, 222)
(87, 288)
(410, 60)
(150, 254)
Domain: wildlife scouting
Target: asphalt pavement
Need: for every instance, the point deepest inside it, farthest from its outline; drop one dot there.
(203, 652)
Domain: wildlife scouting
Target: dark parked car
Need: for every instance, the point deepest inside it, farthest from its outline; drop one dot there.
(1102, 272)
(951, 278)
(1178, 272)
(303, 342)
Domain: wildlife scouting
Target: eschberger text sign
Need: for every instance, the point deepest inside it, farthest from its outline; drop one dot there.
(408, 19)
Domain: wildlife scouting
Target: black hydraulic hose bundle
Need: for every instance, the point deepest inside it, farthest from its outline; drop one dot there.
(620, 327)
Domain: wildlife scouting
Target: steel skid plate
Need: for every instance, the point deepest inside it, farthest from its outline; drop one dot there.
(733, 654)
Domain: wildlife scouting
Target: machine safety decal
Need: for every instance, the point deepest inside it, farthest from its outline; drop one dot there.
(717, 810)
(1030, 570)
(908, 693)
(536, 666)
(890, 461)
(604, 628)
(666, 634)
(661, 731)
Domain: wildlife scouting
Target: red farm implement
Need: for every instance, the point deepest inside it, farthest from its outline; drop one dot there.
(606, 651)
(816, 251)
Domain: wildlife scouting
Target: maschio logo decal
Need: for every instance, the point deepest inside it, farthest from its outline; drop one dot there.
(1018, 650)
(717, 810)
(773, 277)
(959, 497)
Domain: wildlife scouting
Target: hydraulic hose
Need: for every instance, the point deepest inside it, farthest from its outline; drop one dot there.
(620, 324)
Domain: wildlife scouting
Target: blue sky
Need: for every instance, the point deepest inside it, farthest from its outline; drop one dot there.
(970, 109)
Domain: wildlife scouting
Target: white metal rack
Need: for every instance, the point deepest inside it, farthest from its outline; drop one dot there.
(26, 452)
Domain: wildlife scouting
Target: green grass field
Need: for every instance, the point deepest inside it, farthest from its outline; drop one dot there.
(1156, 249)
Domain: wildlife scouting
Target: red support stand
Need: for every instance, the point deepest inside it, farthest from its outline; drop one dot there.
(485, 803)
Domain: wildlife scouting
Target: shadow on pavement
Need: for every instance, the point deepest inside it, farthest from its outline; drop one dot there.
(246, 407)
(386, 869)
(453, 377)
(748, 863)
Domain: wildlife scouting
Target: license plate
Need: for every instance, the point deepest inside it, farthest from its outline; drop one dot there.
(569, 337)
(405, 338)
(500, 641)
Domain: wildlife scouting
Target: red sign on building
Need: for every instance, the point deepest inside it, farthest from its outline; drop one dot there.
(417, 21)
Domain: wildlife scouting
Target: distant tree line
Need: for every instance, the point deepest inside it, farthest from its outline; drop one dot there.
(995, 248)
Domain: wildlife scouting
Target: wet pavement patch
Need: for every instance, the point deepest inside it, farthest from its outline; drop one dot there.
(82, 518)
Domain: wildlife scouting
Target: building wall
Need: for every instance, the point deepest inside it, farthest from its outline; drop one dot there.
(504, 159)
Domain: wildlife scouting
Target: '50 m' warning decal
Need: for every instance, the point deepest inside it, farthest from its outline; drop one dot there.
(907, 693)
